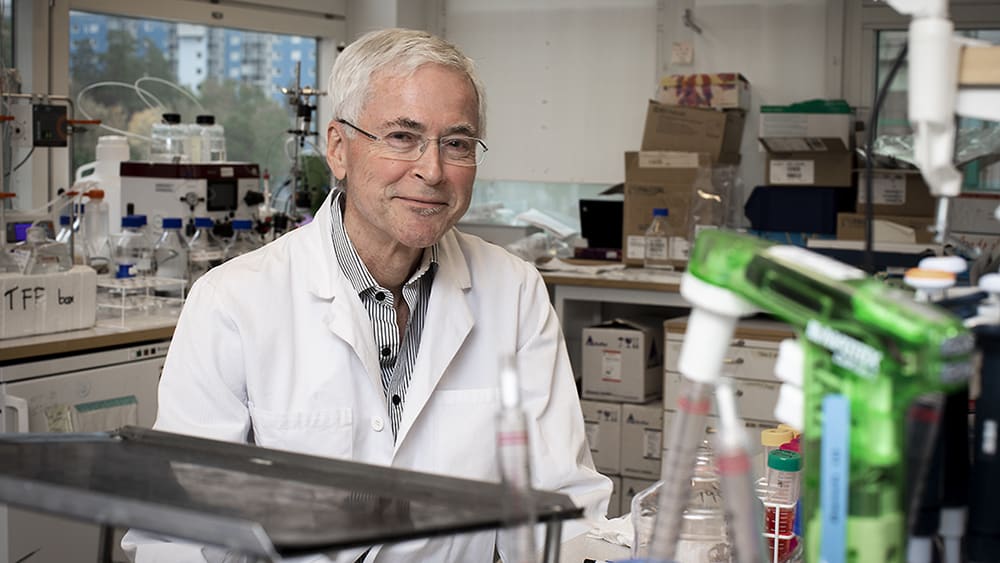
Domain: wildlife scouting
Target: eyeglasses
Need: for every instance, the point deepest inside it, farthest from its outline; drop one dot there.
(409, 146)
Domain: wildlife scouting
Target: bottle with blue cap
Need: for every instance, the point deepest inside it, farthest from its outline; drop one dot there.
(171, 251)
(133, 250)
(244, 239)
(205, 251)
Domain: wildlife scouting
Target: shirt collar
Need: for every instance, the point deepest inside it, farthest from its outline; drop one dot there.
(352, 265)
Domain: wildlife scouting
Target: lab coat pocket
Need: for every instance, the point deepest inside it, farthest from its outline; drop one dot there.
(328, 433)
(465, 430)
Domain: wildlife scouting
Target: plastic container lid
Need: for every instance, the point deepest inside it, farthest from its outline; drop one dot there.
(171, 223)
(64, 219)
(134, 221)
(774, 437)
(242, 225)
(96, 193)
(205, 120)
(795, 433)
(203, 222)
(784, 460)
(661, 212)
(172, 118)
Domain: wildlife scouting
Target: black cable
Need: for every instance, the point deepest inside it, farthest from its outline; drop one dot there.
(869, 157)
(20, 164)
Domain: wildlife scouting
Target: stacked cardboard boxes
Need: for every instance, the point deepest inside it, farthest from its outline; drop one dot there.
(902, 204)
(677, 140)
(808, 144)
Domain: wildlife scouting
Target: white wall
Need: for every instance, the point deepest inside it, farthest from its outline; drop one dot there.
(566, 83)
(567, 80)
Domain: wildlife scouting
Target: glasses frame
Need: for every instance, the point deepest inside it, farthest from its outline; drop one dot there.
(423, 146)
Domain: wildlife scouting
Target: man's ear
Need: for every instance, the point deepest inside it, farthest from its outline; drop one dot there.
(336, 151)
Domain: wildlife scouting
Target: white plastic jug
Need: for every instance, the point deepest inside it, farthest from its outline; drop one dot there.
(111, 151)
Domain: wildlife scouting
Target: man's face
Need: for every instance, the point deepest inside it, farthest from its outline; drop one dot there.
(391, 203)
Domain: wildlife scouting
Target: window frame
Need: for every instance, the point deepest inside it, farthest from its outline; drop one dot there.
(46, 63)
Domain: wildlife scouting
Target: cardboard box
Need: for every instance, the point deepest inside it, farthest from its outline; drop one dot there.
(615, 503)
(44, 303)
(808, 144)
(657, 179)
(806, 123)
(727, 90)
(631, 487)
(821, 169)
(642, 440)
(897, 192)
(677, 128)
(603, 422)
(622, 361)
(851, 226)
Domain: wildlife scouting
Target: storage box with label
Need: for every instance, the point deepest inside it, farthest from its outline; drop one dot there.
(658, 179)
(604, 427)
(897, 193)
(808, 144)
(677, 128)
(642, 440)
(622, 361)
(802, 126)
(725, 90)
(44, 303)
(888, 228)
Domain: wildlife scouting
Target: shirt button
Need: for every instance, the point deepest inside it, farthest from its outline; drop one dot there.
(396, 400)
(386, 351)
(377, 423)
(380, 296)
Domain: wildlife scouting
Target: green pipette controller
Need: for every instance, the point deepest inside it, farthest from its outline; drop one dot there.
(864, 341)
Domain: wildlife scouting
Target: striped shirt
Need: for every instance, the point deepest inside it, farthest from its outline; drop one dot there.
(396, 358)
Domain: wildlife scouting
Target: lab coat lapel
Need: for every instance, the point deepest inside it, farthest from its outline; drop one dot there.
(345, 317)
(449, 321)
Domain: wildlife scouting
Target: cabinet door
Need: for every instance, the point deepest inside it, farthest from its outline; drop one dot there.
(89, 398)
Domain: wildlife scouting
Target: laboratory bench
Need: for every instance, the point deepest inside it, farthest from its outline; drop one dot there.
(138, 330)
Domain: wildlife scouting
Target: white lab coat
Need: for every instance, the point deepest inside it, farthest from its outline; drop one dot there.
(277, 342)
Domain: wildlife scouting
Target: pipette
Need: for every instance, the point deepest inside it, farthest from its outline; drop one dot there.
(515, 471)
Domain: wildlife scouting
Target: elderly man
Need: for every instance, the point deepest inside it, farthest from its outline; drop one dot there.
(377, 332)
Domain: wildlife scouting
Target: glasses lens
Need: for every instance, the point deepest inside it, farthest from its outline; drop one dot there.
(404, 142)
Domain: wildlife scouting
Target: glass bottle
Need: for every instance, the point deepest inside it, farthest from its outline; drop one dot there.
(657, 242)
(171, 253)
(169, 140)
(133, 251)
(244, 239)
(96, 227)
(213, 139)
(38, 254)
(205, 251)
(703, 536)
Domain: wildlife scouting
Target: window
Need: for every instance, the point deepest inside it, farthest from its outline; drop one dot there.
(893, 120)
(236, 89)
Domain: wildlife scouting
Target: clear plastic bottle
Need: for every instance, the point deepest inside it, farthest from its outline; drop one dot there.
(73, 237)
(205, 251)
(171, 254)
(169, 140)
(213, 139)
(244, 239)
(133, 251)
(657, 254)
(96, 228)
(38, 254)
